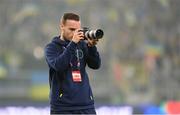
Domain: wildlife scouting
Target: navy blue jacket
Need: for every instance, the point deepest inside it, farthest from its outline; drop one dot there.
(64, 93)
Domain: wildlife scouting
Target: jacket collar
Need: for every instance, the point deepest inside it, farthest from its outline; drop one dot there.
(59, 41)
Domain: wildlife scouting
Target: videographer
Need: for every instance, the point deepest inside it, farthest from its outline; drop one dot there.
(67, 56)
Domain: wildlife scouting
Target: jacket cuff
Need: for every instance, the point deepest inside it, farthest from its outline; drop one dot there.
(92, 49)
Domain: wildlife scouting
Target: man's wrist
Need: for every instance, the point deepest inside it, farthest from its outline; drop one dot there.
(90, 45)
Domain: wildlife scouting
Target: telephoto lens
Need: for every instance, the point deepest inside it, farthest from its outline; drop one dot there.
(93, 34)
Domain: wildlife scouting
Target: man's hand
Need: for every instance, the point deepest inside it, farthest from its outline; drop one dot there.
(78, 35)
(92, 42)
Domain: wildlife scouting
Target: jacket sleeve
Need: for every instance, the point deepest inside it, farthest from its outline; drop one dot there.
(93, 59)
(59, 60)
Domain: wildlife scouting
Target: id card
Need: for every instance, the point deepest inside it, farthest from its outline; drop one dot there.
(76, 76)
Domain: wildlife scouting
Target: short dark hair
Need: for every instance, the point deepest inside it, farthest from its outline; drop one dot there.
(70, 16)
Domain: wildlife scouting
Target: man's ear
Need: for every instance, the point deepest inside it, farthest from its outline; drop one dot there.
(61, 26)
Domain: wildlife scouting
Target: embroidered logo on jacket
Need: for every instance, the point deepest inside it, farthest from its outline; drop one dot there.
(79, 53)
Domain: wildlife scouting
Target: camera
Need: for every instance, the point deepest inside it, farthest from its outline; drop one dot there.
(92, 34)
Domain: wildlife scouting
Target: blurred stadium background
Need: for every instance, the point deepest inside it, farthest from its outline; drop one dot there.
(140, 52)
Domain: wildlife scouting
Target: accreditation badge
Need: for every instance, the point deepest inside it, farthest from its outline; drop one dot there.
(76, 76)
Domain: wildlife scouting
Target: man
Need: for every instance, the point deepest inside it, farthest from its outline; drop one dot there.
(67, 56)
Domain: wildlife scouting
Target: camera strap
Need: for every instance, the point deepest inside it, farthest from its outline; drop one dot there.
(75, 66)
(78, 60)
(76, 74)
(75, 63)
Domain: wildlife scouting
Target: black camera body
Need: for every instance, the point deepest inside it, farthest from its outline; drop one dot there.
(92, 34)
